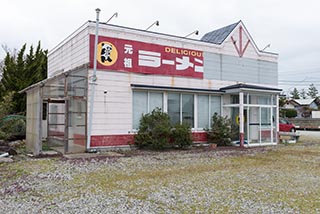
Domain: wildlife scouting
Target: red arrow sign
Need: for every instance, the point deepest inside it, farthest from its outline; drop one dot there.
(240, 49)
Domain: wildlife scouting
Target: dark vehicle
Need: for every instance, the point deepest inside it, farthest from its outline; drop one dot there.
(286, 126)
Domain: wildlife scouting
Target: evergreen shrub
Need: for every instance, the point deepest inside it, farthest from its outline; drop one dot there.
(156, 132)
(220, 132)
(181, 135)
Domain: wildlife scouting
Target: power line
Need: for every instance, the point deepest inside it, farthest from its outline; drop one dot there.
(297, 81)
(301, 74)
(301, 69)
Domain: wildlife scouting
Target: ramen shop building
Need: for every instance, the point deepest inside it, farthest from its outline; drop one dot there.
(224, 72)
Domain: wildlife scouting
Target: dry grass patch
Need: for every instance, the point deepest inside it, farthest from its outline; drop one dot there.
(282, 180)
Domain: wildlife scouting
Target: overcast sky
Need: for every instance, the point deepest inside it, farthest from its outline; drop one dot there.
(291, 27)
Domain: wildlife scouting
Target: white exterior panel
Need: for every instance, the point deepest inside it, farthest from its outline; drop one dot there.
(71, 53)
(33, 134)
(113, 111)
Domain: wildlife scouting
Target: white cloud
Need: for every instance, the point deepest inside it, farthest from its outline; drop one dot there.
(291, 27)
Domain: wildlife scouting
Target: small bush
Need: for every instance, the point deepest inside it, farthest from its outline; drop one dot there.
(3, 135)
(6, 104)
(235, 133)
(181, 135)
(154, 130)
(220, 132)
(13, 129)
(290, 113)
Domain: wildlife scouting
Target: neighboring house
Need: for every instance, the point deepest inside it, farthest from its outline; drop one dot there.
(288, 105)
(304, 107)
(224, 72)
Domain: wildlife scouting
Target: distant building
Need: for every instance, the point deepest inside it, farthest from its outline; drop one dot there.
(304, 107)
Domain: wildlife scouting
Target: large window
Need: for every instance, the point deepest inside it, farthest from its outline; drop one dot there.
(181, 108)
(144, 102)
(207, 107)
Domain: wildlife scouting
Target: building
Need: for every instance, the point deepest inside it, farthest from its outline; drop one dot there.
(224, 72)
(305, 108)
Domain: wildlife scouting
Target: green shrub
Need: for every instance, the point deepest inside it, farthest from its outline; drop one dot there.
(6, 104)
(12, 129)
(220, 132)
(4, 135)
(290, 113)
(11, 126)
(154, 130)
(181, 135)
(235, 132)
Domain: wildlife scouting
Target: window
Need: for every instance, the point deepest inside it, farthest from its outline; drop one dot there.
(53, 119)
(174, 107)
(181, 108)
(44, 111)
(203, 111)
(155, 100)
(264, 100)
(188, 109)
(234, 99)
(265, 116)
(144, 102)
(207, 106)
(139, 106)
(215, 105)
(265, 112)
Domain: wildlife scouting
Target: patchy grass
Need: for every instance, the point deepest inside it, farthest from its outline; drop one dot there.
(284, 179)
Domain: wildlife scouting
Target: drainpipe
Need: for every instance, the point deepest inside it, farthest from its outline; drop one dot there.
(93, 83)
(277, 118)
(241, 119)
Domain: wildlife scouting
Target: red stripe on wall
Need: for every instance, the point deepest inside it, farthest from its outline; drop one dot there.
(199, 137)
(112, 140)
(128, 139)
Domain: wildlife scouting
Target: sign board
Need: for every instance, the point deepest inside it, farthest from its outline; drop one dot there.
(139, 57)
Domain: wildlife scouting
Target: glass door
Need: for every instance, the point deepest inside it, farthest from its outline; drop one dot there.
(76, 103)
(261, 125)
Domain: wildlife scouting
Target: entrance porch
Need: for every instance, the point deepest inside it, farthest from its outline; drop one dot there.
(254, 113)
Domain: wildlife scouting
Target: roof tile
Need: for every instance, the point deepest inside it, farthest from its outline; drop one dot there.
(219, 35)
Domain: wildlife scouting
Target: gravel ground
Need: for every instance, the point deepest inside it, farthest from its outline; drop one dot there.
(281, 179)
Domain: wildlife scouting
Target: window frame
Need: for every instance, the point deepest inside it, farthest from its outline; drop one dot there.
(165, 105)
(148, 104)
(210, 112)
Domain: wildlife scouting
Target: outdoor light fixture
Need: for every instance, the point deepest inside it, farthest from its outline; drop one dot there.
(268, 46)
(154, 23)
(196, 32)
(114, 15)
